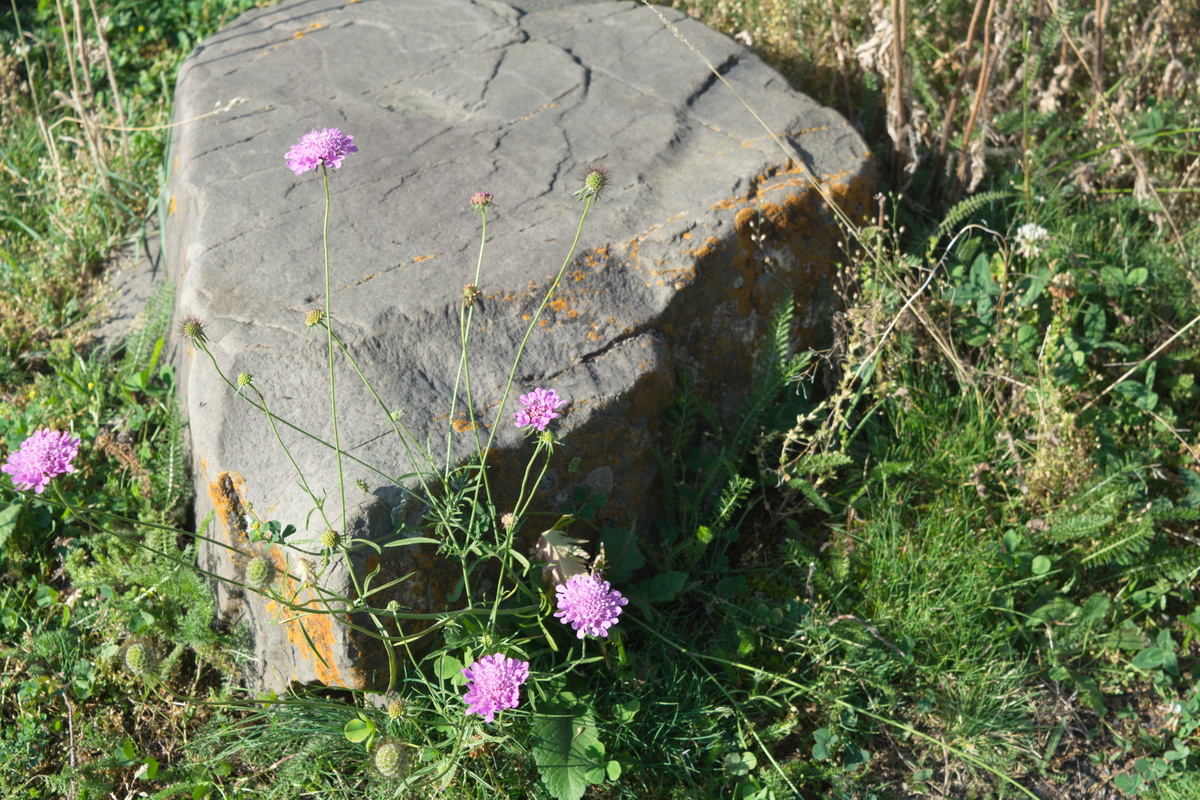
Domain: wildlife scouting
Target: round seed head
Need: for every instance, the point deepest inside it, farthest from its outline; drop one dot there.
(389, 758)
(314, 317)
(330, 539)
(139, 658)
(243, 379)
(259, 572)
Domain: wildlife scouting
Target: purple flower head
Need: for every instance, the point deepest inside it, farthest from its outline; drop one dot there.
(589, 604)
(494, 683)
(327, 146)
(42, 456)
(540, 406)
(481, 201)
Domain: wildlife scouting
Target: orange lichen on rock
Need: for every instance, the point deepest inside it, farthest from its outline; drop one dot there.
(227, 493)
(462, 425)
(308, 631)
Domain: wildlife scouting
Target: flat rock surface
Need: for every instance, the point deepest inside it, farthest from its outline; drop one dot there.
(704, 227)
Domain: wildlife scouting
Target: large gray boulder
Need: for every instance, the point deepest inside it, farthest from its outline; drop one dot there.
(705, 226)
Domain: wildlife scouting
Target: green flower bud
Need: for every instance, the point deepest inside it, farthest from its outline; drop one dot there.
(396, 708)
(595, 180)
(192, 329)
(330, 539)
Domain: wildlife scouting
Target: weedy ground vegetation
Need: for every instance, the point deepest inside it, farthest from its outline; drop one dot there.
(953, 554)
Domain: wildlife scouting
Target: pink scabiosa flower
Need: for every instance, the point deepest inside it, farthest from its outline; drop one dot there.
(41, 457)
(327, 146)
(494, 683)
(589, 605)
(540, 406)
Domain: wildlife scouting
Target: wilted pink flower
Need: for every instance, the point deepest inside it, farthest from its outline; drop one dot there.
(327, 146)
(41, 457)
(540, 406)
(494, 683)
(481, 200)
(589, 604)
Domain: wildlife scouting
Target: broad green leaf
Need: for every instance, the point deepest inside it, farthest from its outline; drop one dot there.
(449, 668)
(621, 554)
(1150, 658)
(741, 764)
(613, 770)
(359, 730)
(823, 742)
(8, 521)
(568, 751)
(626, 711)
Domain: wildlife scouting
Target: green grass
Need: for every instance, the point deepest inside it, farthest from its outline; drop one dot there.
(954, 557)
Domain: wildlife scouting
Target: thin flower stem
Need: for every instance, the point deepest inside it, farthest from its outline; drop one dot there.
(337, 444)
(400, 430)
(320, 504)
(292, 425)
(465, 315)
(512, 375)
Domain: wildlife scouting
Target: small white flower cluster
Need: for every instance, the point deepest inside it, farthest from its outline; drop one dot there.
(1028, 237)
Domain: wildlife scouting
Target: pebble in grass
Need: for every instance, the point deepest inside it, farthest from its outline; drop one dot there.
(701, 228)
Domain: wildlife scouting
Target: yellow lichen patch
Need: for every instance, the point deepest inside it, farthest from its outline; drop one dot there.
(462, 425)
(419, 259)
(171, 205)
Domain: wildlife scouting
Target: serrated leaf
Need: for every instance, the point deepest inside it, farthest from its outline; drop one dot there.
(568, 751)
(563, 555)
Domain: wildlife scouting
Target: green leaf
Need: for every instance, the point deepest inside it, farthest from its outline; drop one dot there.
(621, 554)
(568, 751)
(1150, 658)
(626, 711)
(8, 521)
(1041, 565)
(449, 668)
(359, 730)
(824, 741)
(741, 764)
(149, 769)
(613, 770)
(661, 588)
